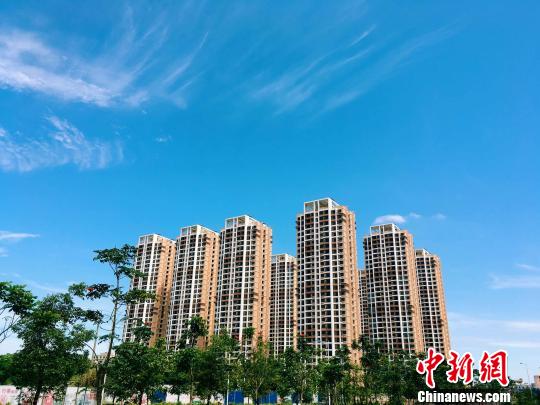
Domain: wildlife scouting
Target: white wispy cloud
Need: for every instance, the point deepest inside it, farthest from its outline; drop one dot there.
(339, 75)
(163, 139)
(498, 282)
(124, 73)
(529, 280)
(3, 132)
(63, 144)
(527, 267)
(467, 320)
(16, 236)
(9, 237)
(391, 218)
(33, 284)
(297, 85)
(390, 60)
(27, 63)
(192, 50)
(518, 335)
(401, 219)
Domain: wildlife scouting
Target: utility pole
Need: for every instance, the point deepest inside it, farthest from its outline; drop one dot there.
(528, 378)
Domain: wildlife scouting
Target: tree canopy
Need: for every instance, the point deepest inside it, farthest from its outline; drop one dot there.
(53, 337)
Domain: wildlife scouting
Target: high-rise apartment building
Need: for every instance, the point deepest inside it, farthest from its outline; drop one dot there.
(155, 259)
(282, 303)
(194, 281)
(328, 296)
(362, 290)
(243, 285)
(394, 316)
(432, 302)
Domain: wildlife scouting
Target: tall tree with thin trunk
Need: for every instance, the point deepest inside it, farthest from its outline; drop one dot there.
(120, 261)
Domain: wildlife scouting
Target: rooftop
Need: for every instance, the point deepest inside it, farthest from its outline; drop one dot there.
(240, 221)
(152, 237)
(321, 204)
(194, 229)
(383, 228)
(283, 257)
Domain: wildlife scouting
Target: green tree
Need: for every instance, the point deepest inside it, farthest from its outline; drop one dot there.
(194, 329)
(187, 361)
(217, 363)
(258, 373)
(5, 368)
(120, 261)
(298, 374)
(137, 369)
(400, 379)
(53, 338)
(186, 364)
(333, 375)
(15, 302)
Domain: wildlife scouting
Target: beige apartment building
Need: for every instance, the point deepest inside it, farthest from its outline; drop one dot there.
(283, 284)
(155, 259)
(362, 290)
(394, 314)
(432, 301)
(328, 296)
(243, 285)
(194, 281)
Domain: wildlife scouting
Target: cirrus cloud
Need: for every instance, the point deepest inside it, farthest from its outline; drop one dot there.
(63, 144)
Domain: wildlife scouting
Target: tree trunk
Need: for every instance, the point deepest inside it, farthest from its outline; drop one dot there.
(36, 396)
(100, 382)
(100, 377)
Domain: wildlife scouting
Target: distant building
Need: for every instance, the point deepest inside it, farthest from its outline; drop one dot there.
(100, 357)
(243, 286)
(155, 259)
(432, 301)
(364, 309)
(328, 299)
(536, 382)
(194, 281)
(392, 290)
(283, 303)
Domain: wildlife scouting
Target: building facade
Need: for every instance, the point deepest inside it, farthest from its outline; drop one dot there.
(432, 301)
(283, 282)
(243, 285)
(362, 290)
(394, 315)
(328, 297)
(155, 259)
(194, 281)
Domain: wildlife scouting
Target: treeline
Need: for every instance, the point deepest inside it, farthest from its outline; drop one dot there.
(59, 340)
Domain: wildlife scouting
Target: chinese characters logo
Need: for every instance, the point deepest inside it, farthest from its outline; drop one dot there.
(492, 367)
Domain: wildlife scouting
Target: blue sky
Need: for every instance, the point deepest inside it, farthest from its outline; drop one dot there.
(123, 119)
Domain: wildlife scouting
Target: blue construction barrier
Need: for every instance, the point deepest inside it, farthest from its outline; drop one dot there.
(236, 397)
